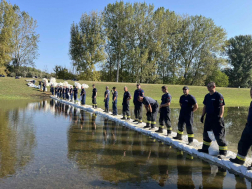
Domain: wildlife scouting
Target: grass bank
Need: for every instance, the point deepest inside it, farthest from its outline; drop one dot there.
(11, 88)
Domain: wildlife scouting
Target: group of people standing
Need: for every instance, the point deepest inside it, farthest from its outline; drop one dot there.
(212, 114)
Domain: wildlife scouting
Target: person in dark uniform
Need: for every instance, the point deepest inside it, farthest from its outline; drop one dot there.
(39, 84)
(114, 100)
(164, 110)
(64, 92)
(75, 93)
(106, 99)
(188, 105)
(56, 90)
(151, 107)
(71, 92)
(52, 89)
(214, 109)
(138, 105)
(83, 96)
(67, 92)
(94, 96)
(60, 91)
(125, 104)
(246, 138)
(44, 86)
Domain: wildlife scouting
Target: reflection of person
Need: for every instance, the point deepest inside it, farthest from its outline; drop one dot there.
(94, 96)
(125, 104)
(184, 171)
(151, 107)
(164, 110)
(188, 105)
(138, 105)
(245, 141)
(114, 102)
(212, 180)
(106, 99)
(240, 182)
(93, 123)
(105, 129)
(82, 118)
(214, 110)
(162, 165)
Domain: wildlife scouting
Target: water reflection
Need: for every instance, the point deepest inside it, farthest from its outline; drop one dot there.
(94, 152)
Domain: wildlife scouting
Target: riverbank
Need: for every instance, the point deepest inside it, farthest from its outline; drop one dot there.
(12, 88)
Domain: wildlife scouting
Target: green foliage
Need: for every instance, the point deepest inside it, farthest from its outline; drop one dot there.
(219, 77)
(63, 73)
(87, 44)
(239, 51)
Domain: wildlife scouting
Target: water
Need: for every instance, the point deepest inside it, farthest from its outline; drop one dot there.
(51, 145)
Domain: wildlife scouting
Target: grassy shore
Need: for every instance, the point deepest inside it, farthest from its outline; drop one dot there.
(11, 88)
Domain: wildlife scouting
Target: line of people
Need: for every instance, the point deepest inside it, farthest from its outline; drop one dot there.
(212, 114)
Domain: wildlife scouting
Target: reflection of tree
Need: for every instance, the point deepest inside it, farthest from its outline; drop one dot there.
(17, 140)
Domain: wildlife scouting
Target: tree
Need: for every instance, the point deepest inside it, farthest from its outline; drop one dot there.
(7, 19)
(219, 77)
(239, 51)
(25, 39)
(87, 43)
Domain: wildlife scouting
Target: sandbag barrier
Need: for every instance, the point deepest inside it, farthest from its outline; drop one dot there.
(181, 145)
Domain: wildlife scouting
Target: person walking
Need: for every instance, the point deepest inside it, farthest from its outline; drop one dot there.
(138, 105)
(214, 109)
(164, 110)
(188, 105)
(125, 103)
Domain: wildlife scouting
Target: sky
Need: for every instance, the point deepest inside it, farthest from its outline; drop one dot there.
(55, 17)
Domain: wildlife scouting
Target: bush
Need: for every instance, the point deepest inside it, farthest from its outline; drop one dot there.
(220, 79)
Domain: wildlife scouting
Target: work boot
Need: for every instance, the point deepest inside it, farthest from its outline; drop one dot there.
(160, 130)
(223, 152)
(168, 132)
(190, 140)
(140, 121)
(152, 127)
(250, 167)
(135, 120)
(95, 106)
(237, 161)
(204, 149)
(123, 118)
(147, 126)
(178, 137)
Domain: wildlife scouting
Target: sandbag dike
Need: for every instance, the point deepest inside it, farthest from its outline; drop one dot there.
(181, 145)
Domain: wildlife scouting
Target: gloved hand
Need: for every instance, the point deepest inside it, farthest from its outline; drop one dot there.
(202, 119)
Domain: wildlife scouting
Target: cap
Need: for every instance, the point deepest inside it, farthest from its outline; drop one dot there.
(185, 88)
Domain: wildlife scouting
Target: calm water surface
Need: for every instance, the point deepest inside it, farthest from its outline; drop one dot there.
(51, 145)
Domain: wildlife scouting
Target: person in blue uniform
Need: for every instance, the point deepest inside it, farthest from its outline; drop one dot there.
(52, 89)
(188, 105)
(114, 101)
(64, 92)
(83, 96)
(106, 99)
(94, 96)
(125, 103)
(151, 107)
(138, 105)
(246, 139)
(214, 109)
(75, 93)
(71, 93)
(60, 91)
(164, 110)
(55, 90)
(67, 92)
(44, 86)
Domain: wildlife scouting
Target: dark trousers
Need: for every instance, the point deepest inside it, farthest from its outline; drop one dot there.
(152, 116)
(94, 102)
(186, 119)
(60, 94)
(126, 110)
(75, 96)
(71, 96)
(115, 107)
(52, 92)
(107, 105)
(43, 88)
(138, 111)
(83, 99)
(165, 118)
(67, 96)
(215, 124)
(64, 95)
(245, 142)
